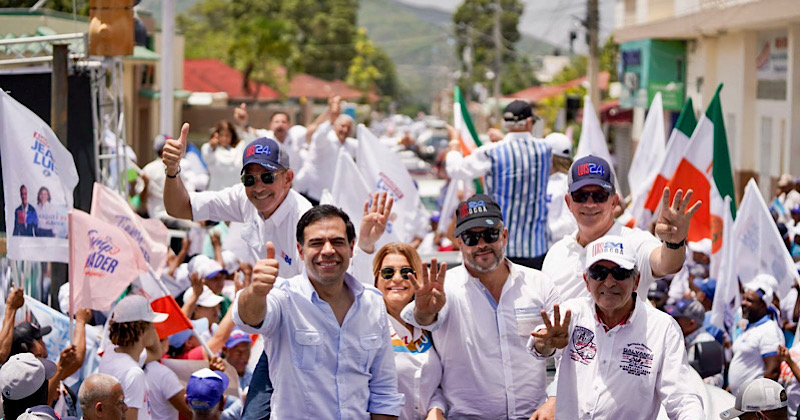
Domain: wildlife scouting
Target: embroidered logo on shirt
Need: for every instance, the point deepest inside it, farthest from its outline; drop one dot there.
(583, 347)
(637, 359)
(286, 258)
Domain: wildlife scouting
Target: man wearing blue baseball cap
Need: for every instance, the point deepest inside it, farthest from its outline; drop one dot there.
(205, 393)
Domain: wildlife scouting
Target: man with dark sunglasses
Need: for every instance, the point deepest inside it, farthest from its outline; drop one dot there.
(591, 199)
(616, 346)
(493, 304)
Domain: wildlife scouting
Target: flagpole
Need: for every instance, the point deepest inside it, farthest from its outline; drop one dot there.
(71, 309)
(166, 291)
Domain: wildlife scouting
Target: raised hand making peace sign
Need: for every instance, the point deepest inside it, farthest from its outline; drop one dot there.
(429, 291)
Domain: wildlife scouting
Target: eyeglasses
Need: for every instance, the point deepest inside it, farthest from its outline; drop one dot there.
(598, 196)
(600, 273)
(388, 272)
(489, 236)
(266, 177)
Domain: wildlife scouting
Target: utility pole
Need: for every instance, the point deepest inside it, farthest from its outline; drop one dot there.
(593, 27)
(498, 54)
(59, 98)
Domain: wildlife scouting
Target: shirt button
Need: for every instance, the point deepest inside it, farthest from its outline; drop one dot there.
(341, 380)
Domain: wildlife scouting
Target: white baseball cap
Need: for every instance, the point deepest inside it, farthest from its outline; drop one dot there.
(210, 268)
(561, 144)
(207, 299)
(230, 260)
(135, 308)
(761, 394)
(610, 248)
(764, 283)
(23, 374)
(702, 246)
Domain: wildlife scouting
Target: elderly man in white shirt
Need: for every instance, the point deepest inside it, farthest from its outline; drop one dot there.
(326, 333)
(480, 332)
(616, 347)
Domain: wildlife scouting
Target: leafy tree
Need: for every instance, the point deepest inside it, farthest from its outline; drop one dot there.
(65, 6)
(474, 26)
(371, 68)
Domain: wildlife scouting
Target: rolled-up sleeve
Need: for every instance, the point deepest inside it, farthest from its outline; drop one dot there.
(383, 395)
(476, 165)
(271, 320)
(407, 314)
(225, 204)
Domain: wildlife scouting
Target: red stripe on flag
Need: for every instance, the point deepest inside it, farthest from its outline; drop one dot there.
(688, 177)
(654, 197)
(176, 321)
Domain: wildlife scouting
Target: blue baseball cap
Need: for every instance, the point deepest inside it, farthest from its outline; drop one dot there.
(267, 153)
(237, 337)
(707, 286)
(205, 388)
(591, 170)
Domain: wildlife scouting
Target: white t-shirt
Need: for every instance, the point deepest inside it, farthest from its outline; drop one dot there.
(132, 378)
(759, 340)
(566, 259)
(155, 186)
(163, 384)
(224, 165)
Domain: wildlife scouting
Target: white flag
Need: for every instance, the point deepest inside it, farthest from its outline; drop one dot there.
(349, 193)
(383, 170)
(38, 178)
(759, 247)
(727, 297)
(648, 157)
(593, 141)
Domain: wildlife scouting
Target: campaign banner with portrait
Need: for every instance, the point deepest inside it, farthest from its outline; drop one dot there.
(39, 176)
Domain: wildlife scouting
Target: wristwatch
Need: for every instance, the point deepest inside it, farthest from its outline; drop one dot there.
(172, 176)
(678, 245)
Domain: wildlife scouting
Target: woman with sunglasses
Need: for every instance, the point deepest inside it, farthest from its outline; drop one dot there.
(419, 370)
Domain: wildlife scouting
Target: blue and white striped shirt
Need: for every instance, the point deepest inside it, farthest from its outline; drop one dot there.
(516, 169)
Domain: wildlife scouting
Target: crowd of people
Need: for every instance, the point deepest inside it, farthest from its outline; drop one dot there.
(350, 329)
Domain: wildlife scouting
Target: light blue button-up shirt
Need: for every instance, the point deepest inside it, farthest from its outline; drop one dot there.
(322, 370)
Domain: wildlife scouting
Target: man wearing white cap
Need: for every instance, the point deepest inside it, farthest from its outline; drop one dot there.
(131, 330)
(616, 346)
(761, 398)
(23, 383)
(559, 219)
(755, 351)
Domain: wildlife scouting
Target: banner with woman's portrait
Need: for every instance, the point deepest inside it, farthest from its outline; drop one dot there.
(39, 176)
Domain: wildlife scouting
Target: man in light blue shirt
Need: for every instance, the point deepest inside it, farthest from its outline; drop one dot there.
(325, 333)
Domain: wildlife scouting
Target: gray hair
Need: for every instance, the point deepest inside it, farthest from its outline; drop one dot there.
(515, 125)
(95, 388)
(342, 118)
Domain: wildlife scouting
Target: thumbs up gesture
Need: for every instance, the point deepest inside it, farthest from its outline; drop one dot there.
(174, 150)
(264, 273)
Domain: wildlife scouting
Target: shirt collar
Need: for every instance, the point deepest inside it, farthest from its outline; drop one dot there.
(283, 210)
(307, 289)
(692, 335)
(763, 319)
(628, 320)
(615, 229)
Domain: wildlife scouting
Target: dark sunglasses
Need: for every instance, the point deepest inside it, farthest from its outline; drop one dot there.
(599, 196)
(266, 177)
(489, 236)
(388, 272)
(600, 273)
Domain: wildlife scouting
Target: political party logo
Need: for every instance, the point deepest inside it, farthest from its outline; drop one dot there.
(404, 345)
(42, 156)
(471, 207)
(591, 169)
(130, 228)
(286, 258)
(637, 359)
(101, 260)
(608, 248)
(583, 349)
(386, 184)
(257, 149)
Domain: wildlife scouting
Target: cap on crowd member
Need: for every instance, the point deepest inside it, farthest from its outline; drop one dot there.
(41, 412)
(702, 246)
(25, 334)
(786, 180)
(688, 308)
(135, 308)
(231, 262)
(238, 337)
(518, 111)
(761, 394)
(196, 262)
(707, 286)
(479, 211)
(210, 268)
(178, 339)
(658, 289)
(795, 209)
(764, 285)
(591, 170)
(267, 153)
(207, 299)
(611, 248)
(205, 388)
(23, 374)
(561, 144)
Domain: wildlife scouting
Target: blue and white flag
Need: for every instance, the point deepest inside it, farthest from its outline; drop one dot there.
(39, 176)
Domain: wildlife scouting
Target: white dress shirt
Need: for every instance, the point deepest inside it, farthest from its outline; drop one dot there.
(320, 164)
(322, 370)
(419, 370)
(488, 373)
(560, 220)
(231, 204)
(627, 372)
(566, 260)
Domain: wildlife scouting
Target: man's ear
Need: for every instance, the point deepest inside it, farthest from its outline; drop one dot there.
(221, 404)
